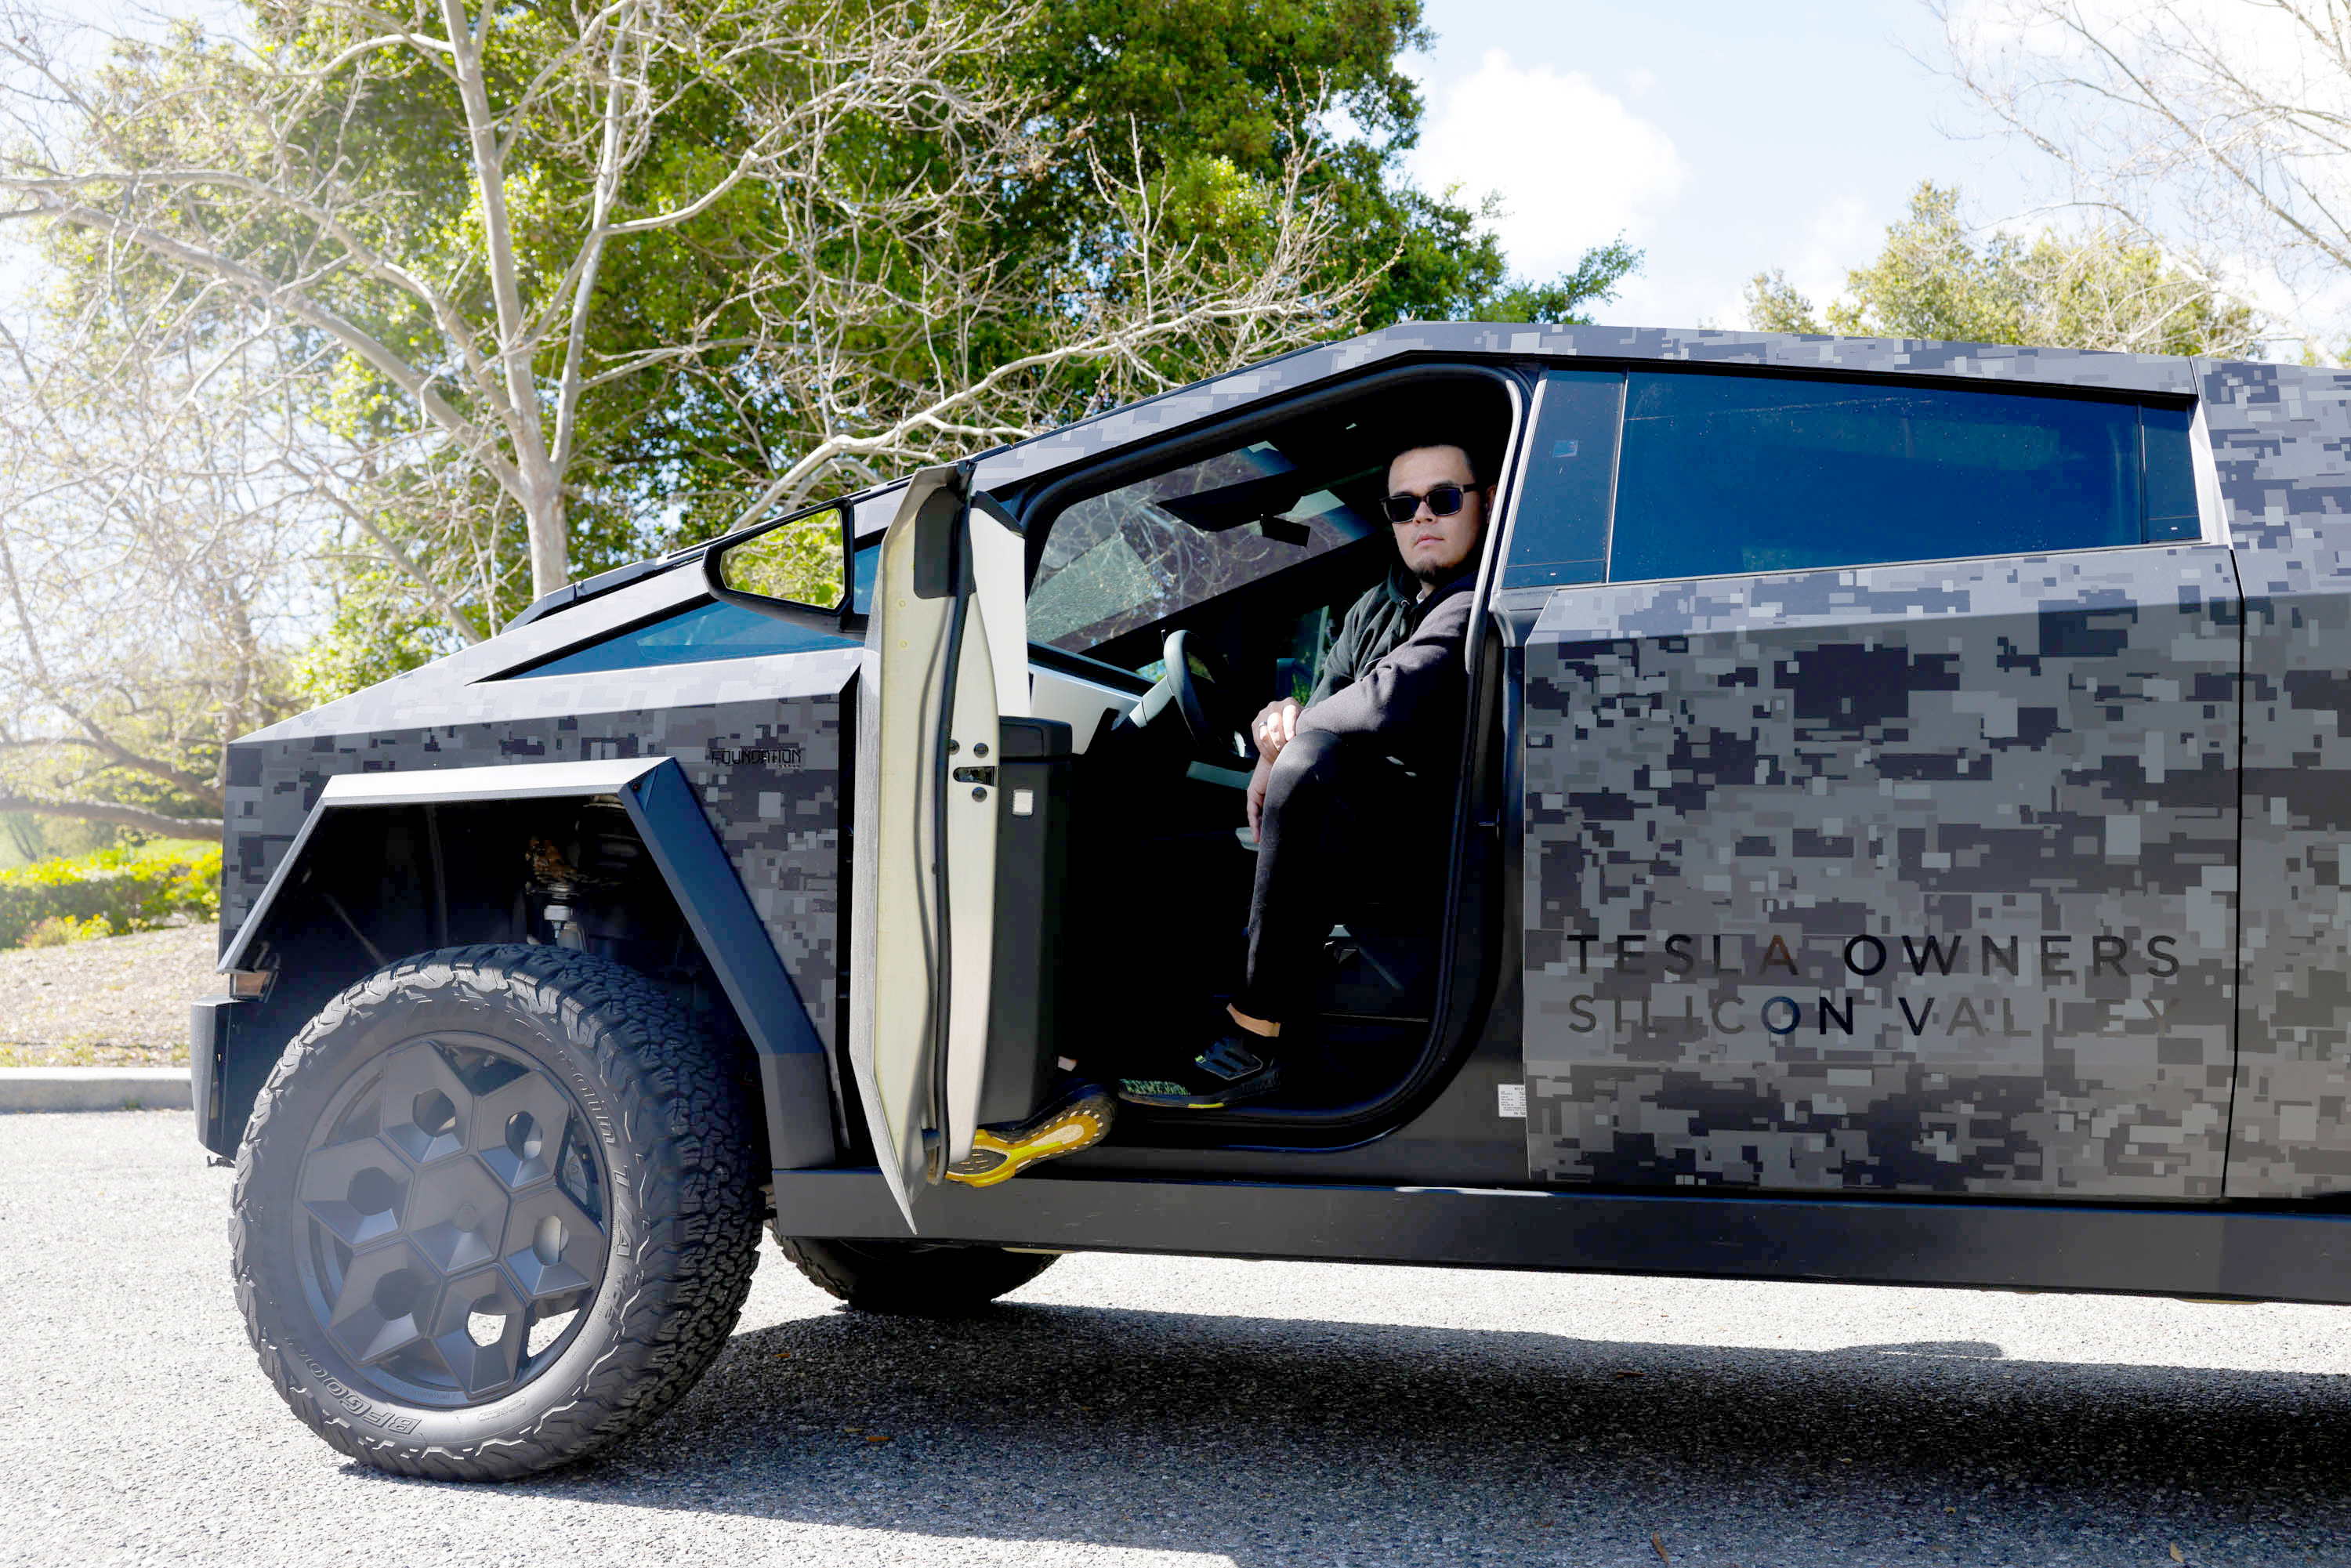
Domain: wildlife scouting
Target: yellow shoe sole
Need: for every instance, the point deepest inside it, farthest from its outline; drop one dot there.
(1000, 1154)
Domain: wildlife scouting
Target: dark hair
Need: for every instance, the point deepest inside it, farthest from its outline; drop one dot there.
(1481, 462)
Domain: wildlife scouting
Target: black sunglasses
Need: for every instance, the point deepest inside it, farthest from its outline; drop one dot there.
(1443, 500)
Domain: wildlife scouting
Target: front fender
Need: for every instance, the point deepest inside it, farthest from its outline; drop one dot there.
(661, 804)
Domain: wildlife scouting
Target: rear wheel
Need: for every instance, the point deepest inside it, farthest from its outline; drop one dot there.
(496, 1206)
(911, 1276)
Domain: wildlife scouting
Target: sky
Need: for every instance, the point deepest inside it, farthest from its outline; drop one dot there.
(1722, 139)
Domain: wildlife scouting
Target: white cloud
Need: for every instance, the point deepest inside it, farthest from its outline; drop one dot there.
(1843, 235)
(1573, 166)
(1844, 231)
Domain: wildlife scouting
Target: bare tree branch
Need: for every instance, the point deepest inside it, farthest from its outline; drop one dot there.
(152, 507)
(2221, 123)
(451, 612)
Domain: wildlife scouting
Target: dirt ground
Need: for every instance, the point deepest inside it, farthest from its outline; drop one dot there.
(120, 1001)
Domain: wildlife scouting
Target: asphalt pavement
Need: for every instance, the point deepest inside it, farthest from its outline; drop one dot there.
(1131, 1411)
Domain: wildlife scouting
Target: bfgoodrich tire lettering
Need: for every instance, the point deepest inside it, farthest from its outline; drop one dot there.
(495, 1207)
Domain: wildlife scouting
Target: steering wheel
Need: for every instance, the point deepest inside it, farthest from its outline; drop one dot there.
(1196, 688)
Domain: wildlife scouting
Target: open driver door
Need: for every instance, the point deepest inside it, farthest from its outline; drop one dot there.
(946, 658)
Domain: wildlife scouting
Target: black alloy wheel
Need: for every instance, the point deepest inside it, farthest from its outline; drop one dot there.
(452, 1219)
(495, 1207)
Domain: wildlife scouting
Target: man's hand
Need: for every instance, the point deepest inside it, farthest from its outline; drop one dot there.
(1258, 779)
(1274, 728)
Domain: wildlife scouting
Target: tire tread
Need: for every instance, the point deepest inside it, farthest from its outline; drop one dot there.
(677, 1092)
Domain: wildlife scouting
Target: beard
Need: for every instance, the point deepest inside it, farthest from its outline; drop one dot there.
(1429, 574)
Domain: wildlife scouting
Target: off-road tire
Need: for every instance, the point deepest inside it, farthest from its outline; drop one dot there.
(910, 1277)
(659, 1103)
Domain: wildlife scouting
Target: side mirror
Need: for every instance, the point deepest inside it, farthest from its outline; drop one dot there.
(796, 568)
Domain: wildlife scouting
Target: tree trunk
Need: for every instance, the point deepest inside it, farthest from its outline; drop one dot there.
(550, 564)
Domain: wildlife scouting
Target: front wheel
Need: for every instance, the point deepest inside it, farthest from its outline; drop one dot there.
(496, 1206)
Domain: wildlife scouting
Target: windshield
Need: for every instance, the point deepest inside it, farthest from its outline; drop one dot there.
(1142, 552)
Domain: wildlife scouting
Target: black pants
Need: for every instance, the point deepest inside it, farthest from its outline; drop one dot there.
(1344, 825)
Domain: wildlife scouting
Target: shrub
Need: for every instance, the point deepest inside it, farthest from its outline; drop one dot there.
(126, 889)
(59, 929)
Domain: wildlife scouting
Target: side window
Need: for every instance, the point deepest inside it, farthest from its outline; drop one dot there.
(692, 636)
(1142, 552)
(1722, 474)
(2170, 474)
(873, 514)
(1560, 534)
(860, 582)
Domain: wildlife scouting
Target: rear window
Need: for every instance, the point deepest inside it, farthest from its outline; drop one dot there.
(1746, 474)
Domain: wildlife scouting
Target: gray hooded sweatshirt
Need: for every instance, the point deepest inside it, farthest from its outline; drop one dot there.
(1396, 671)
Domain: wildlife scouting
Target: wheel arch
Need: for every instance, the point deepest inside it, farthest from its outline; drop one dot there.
(390, 863)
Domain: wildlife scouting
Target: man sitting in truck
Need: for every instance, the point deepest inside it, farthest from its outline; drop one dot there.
(1356, 781)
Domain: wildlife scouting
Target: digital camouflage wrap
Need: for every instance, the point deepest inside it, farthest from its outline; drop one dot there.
(1909, 878)
(2282, 441)
(759, 738)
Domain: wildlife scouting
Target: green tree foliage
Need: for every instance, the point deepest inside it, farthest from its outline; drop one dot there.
(2093, 290)
(1567, 298)
(582, 282)
(1218, 82)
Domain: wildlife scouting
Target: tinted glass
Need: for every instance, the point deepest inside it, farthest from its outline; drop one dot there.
(1744, 474)
(861, 579)
(1560, 532)
(2170, 474)
(1142, 552)
(703, 633)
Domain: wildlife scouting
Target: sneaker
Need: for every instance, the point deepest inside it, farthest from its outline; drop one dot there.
(1077, 1118)
(1229, 1072)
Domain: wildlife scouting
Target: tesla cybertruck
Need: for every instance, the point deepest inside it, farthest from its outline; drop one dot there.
(1897, 837)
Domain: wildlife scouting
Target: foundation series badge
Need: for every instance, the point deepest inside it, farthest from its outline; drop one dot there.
(777, 758)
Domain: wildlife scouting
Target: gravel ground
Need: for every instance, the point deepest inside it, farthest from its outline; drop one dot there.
(120, 1001)
(1130, 1411)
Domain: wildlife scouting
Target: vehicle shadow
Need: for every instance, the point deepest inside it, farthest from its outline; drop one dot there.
(1280, 1439)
